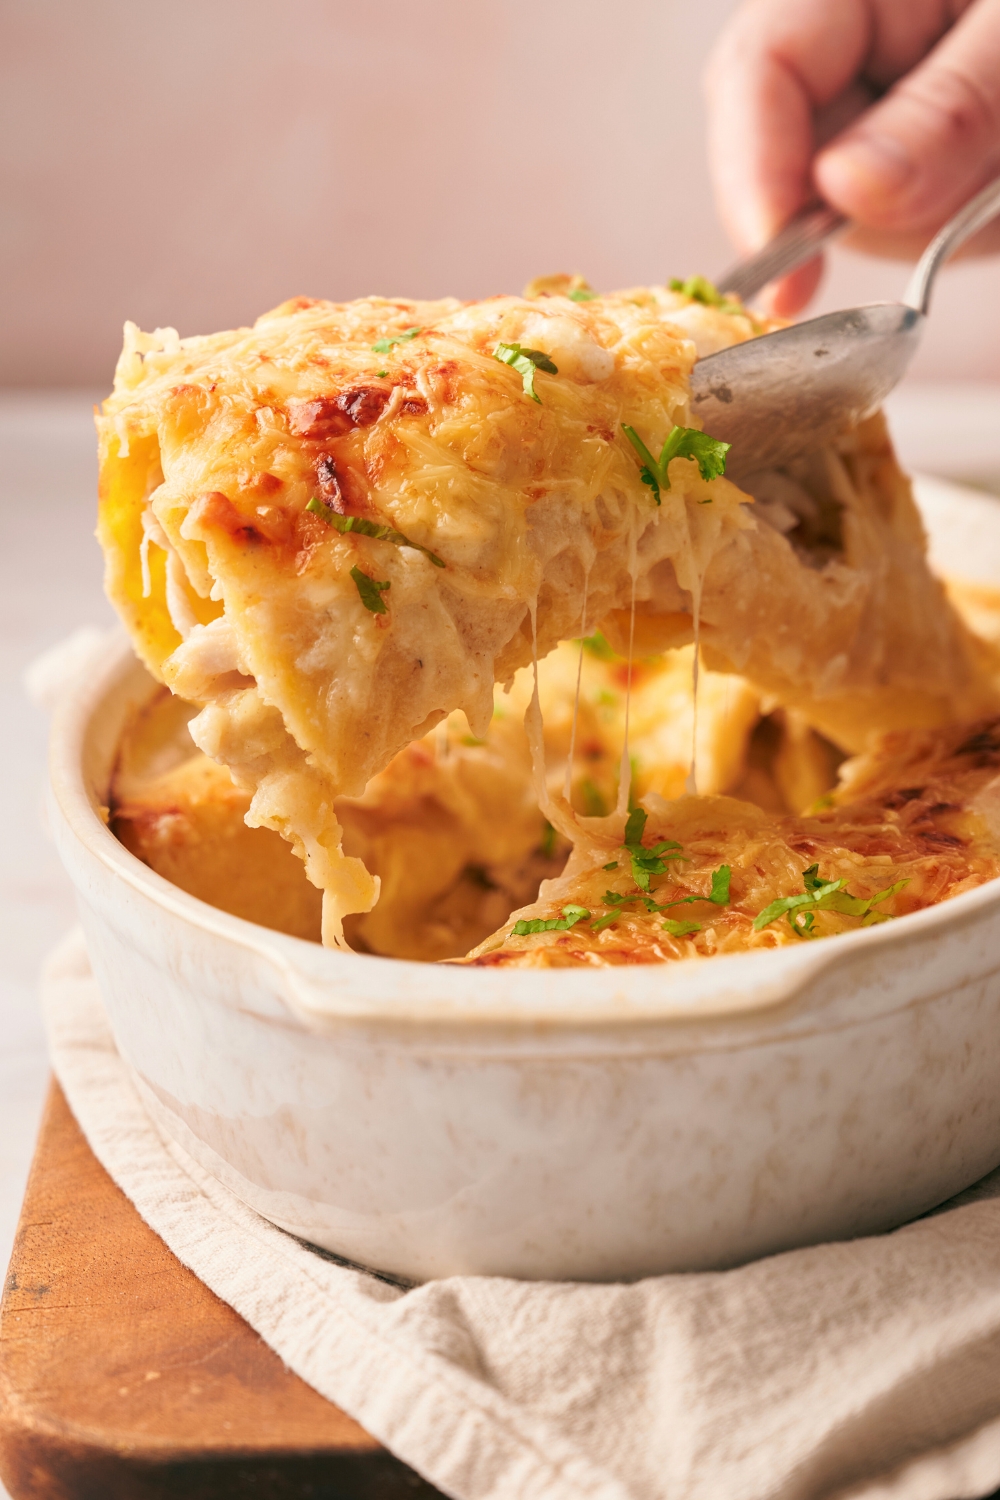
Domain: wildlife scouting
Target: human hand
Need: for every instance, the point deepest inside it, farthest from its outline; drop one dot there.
(887, 109)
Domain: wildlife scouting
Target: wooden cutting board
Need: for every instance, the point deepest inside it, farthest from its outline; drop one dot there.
(122, 1377)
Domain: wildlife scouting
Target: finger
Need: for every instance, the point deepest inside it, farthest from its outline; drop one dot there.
(774, 65)
(914, 158)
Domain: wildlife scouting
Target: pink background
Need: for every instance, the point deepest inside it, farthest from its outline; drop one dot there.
(194, 163)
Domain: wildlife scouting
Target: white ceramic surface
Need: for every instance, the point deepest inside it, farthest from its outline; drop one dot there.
(599, 1124)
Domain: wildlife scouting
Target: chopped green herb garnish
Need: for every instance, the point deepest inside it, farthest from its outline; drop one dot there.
(684, 442)
(570, 916)
(829, 895)
(633, 762)
(581, 294)
(525, 362)
(596, 645)
(384, 345)
(371, 591)
(647, 862)
(612, 866)
(548, 839)
(635, 827)
(362, 527)
(680, 929)
(616, 902)
(787, 904)
(700, 289)
(471, 740)
(381, 374)
(719, 895)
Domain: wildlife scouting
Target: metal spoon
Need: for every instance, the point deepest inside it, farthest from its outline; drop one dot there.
(781, 394)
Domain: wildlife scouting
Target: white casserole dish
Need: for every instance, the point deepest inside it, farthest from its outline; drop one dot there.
(597, 1124)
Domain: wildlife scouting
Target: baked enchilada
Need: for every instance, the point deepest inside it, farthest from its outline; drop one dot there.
(336, 533)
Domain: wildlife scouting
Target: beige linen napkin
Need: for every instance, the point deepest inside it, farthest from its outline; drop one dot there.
(863, 1369)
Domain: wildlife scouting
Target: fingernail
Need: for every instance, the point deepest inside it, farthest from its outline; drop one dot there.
(875, 162)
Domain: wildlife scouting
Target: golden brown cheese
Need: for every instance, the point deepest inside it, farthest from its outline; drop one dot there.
(914, 823)
(248, 602)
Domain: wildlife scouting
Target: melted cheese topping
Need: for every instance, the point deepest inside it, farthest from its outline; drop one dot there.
(922, 811)
(245, 601)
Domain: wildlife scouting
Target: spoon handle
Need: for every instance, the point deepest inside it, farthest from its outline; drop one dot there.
(977, 212)
(799, 241)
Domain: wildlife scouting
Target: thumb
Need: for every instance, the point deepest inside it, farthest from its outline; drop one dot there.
(915, 157)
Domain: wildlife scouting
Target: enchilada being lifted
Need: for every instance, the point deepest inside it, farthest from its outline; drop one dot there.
(334, 529)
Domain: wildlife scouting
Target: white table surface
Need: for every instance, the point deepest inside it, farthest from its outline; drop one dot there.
(50, 583)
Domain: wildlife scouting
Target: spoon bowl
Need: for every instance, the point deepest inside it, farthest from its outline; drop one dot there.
(784, 393)
(780, 395)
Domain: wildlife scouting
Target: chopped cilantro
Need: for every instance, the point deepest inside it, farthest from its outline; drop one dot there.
(616, 902)
(612, 866)
(788, 904)
(700, 289)
(828, 895)
(362, 527)
(680, 929)
(647, 862)
(570, 916)
(684, 442)
(525, 362)
(581, 294)
(635, 827)
(633, 762)
(381, 374)
(371, 591)
(719, 895)
(384, 345)
(596, 645)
